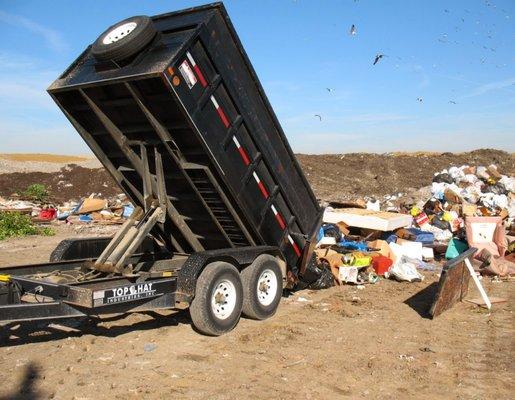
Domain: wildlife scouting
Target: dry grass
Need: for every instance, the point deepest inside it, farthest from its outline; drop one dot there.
(50, 158)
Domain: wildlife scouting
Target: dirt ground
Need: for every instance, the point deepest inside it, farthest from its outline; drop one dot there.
(351, 176)
(72, 182)
(375, 343)
(332, 176)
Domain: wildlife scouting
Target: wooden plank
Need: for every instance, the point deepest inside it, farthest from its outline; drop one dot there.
(368, 219)
(453, 284)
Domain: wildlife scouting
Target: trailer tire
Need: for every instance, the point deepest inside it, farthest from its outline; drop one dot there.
(262, 287)
(216, 307)
(124, 39)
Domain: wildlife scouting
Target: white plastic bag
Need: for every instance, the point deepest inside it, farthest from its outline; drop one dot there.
(405, 270)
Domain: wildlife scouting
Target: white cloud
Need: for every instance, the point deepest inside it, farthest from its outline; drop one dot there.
(52, 38)
(492, 86)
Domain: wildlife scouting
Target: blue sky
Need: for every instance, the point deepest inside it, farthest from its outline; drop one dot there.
(439, 51)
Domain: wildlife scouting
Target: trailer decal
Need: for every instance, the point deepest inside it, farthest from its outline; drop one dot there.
(242, 151)
(197, 70)
(278, 217)
(123, 294)
(187, 74)
(262, 187)
(220, 112)
(295, 247)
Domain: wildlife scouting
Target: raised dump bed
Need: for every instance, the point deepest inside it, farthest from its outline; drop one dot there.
(173, 109)
(192, 95)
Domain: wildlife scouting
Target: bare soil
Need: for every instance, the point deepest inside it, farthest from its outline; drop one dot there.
(375, 343)
(352, 176)
(332, 176)
(72, 182)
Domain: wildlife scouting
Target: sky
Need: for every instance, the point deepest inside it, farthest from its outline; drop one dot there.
(446, 82)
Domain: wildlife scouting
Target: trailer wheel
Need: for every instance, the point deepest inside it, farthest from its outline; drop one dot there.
(124, 39)
(262, 287)
(216, 307)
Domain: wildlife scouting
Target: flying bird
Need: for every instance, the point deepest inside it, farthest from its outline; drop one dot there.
(419, 99)
(452, 102)
(378, 57)
(319, 117)
(353, 30)
(329, 89)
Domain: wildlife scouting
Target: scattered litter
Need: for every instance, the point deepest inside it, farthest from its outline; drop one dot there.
(368, 219)
(405, 270)
(427, 350)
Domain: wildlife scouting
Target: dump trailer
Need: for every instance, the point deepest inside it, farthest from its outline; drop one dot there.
(225, 218)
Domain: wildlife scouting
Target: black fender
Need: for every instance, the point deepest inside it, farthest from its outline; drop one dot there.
(91, 248)
(240, 257)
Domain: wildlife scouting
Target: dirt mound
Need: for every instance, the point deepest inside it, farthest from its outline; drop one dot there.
(332, 176)
(355, 175)
(71, 182)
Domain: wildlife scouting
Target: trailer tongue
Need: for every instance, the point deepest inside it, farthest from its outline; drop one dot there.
(173, 109)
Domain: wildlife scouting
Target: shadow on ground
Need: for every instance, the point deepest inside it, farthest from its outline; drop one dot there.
(38, 331)
(421, 301)
(26, 389)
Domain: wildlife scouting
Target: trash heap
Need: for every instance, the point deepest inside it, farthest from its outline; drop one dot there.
(90, 210)
(464, 207)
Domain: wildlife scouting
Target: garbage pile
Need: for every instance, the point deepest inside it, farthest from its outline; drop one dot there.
(464, 207)
(93, 209)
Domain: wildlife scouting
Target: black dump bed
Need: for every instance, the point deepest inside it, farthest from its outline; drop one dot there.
(192, 95)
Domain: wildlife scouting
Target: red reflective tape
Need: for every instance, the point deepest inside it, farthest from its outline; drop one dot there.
(242, 151)
(220, 112)
(278, 217)
(201, 78)
(296, 249)
(244, 155)
(280, 220)
(197, 69)
(260, 185)
(294, 245)
(223, 117)
(263, 190)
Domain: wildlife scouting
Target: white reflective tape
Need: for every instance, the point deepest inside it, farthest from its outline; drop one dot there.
(273, 209)
(256, 177)
(192, 61)
(290, 239)
(214, 102)
(236, 142)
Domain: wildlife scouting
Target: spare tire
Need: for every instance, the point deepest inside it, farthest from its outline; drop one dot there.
(124, 39)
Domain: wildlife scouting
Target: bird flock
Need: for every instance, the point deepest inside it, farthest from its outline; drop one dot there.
(443, 38)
